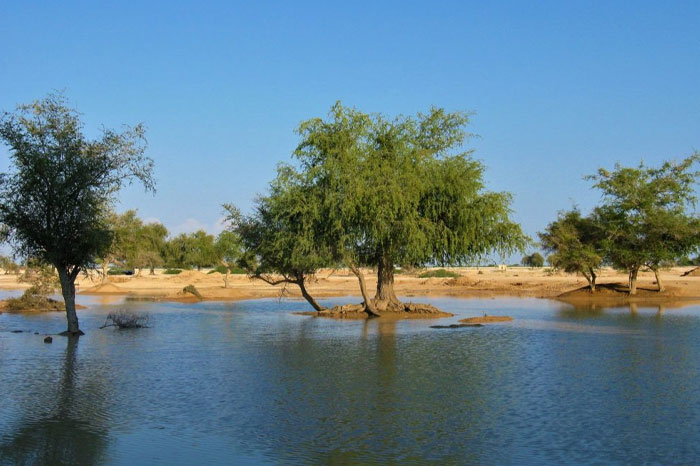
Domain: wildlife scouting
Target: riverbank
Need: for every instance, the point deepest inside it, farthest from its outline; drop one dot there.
(470, 282)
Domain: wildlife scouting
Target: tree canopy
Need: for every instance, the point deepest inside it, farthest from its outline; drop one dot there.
(646, 214)
(54, 202)
(575, 245)
(372, 191)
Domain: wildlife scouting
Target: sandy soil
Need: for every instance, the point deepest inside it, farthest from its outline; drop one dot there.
(472, 282)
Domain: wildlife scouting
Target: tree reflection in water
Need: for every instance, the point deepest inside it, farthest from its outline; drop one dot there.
(64, 436)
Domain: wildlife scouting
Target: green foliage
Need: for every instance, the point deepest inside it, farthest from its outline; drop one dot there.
(191, 289)
(401, 190)
(646, 213)
(533, 260)
(191, 250)
(576, 244)
(222, 270)
(171, 271)
(378, 192)
(54, 202)
(64, 223)
(439, 273)
(8, 265)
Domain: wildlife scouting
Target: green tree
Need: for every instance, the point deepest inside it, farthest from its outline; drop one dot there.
(283, 239)
(123, 246)
(533, 260)
(575, 244)
(369, 191)
(152, 239)
(228, 251)
(55, 201)
(646, 215)
(402, 192)
(192, 250)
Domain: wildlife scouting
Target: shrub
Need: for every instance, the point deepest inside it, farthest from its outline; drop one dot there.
(126, 319)
(120, 271)
(439, 273)
(192, 290)
(172, 271)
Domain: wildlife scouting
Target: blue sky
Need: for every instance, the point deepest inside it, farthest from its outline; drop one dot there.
(558, 88)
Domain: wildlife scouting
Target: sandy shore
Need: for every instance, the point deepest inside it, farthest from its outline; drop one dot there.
(472, 282)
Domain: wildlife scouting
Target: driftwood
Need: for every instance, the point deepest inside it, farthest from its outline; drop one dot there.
(125, 319)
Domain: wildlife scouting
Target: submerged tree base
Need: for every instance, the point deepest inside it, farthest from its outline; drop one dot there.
(391, 310)
(72, 334)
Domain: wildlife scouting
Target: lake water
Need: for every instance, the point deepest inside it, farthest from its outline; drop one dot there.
(250, 383)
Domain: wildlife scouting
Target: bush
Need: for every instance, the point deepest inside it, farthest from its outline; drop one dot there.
(439, 273)
(120, 271)
(126, 319)
(222, 270)
(172, 271)
(192, 290)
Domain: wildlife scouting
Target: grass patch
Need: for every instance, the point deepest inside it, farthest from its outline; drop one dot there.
(439, 273)
(119, 271)
(172, 271)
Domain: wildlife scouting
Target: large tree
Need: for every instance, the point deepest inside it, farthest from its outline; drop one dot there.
(647, 215)
(55, 200)
(379, 192)
(575, 245)
(402, 191)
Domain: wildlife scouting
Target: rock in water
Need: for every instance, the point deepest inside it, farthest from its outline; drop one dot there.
(48, 340)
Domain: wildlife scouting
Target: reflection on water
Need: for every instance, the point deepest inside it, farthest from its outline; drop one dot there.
(250, 383)
(55, 430)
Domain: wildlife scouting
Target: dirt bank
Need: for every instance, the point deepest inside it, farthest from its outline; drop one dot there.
(472, 282)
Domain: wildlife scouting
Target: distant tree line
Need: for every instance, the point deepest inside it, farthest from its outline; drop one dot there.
(138, 246)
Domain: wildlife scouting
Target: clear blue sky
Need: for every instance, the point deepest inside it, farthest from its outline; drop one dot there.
(559, 88)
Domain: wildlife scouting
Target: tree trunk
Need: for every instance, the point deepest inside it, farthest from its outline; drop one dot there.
(105, 270)
(385, 282)
(228, 273)
(67, 279)
(658, 279)
(591, 279)
(633, 280)
(369, 305)
(307, 296)
(153, 271)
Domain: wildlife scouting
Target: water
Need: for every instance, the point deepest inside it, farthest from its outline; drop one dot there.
(250, 383)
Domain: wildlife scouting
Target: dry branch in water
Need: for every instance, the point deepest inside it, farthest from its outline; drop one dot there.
(125, 319)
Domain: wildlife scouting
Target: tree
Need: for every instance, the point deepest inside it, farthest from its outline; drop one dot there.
(55, 202)
(228, 250)
(645, 213)
(122, 248)
(575, 245)
(369, 191)
(402, 192)
(152, 245)
(282, 239)
(533, 260)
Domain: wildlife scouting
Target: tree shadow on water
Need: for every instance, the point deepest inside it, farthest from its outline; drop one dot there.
(60, 437)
